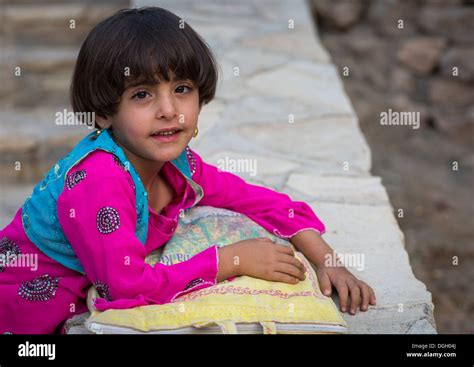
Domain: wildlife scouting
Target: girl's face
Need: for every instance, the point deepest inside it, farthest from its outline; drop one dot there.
(146, 109)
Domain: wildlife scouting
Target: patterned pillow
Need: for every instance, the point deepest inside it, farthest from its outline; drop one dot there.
(244, 305)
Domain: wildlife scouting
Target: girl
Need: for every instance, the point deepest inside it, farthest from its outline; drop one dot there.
(117, 195)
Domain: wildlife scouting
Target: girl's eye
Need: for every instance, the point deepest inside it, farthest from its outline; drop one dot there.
(181, 87)
(140, 95)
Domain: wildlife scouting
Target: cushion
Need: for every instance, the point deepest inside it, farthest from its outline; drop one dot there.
(243, 305)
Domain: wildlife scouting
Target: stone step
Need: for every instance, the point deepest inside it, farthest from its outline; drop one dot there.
(40, 60)
(37, 76)
(33, 24)
(60, 2)
(31, 142)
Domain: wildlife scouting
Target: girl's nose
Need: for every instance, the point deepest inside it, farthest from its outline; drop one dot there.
(165, 107)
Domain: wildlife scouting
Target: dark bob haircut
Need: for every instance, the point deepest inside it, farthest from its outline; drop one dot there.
(139, 46)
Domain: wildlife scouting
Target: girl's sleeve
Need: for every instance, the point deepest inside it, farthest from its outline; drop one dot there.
(96, 211)
(274, 211)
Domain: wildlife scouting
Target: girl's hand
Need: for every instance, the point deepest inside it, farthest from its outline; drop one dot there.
(347, 285)
(264, 259)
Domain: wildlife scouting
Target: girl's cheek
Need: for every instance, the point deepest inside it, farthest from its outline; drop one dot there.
(137, 113)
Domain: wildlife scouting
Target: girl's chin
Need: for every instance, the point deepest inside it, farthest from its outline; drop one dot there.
(169, 151)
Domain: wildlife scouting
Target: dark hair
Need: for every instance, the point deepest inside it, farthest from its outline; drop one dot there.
(151, 42)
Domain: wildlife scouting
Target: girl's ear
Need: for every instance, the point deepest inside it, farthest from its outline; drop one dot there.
(103, 122)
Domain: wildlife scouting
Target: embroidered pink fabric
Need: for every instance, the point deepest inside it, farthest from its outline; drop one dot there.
(274, 211)
(103, 213)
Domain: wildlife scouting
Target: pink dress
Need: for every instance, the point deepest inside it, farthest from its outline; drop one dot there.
(97, 213)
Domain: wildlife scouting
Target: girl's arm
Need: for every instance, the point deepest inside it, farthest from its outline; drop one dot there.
(274, 211)
(314, 247)
(293, 220)
(98, 216)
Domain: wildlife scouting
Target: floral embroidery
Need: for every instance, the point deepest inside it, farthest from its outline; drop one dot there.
(240, 290)
(191, 159)
(194, 283)
(108, 220)
(74, 178)
(190, 286)
(8, 249)
(103, 290)
(41, 288)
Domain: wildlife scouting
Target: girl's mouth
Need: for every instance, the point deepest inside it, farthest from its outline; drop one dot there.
(167, 136)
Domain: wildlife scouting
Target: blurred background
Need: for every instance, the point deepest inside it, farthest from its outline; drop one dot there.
(426, 66)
